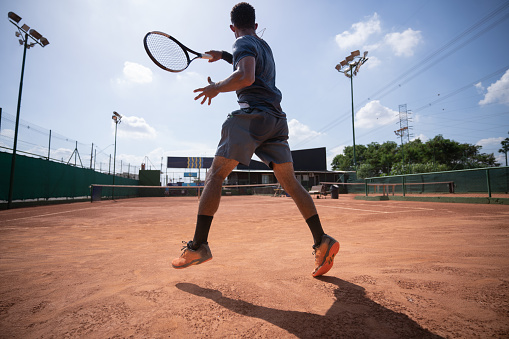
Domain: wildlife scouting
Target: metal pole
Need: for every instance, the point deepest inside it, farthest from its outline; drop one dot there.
(49, 144)
(91, 155)
(353, 118)
(114, 159)
(488, 182)
(13, 161)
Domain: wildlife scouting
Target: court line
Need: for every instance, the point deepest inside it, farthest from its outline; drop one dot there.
(410, 208)
(357, 209)
(47, 214)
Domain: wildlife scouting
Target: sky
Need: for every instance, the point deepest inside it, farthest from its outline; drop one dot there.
(447, 61)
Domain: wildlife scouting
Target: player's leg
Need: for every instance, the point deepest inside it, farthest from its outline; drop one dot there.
(325, 246)
(286, 177)
(197, 251)
(211, 196)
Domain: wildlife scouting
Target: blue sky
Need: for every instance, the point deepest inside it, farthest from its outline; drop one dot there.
(448, 61)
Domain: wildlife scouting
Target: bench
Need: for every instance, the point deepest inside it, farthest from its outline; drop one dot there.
(318, 190)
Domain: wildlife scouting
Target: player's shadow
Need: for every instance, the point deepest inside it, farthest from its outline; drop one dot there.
(353, 315)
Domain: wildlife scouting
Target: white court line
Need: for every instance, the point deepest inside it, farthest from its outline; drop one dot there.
(47, 214)
(410, 208)
(358, 209)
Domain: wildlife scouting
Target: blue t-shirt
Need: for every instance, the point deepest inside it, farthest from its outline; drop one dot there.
(263, 93)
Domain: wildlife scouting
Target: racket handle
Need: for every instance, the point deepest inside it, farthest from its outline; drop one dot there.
(206, 56)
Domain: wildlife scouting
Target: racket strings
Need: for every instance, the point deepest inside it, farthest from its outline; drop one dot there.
(167, 52)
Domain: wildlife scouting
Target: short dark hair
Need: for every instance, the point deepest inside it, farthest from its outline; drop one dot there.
(243, 15)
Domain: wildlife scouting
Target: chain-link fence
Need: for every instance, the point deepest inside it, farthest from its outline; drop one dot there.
(39, 142)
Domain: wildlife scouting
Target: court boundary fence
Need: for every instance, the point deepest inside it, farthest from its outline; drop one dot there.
(487, 181)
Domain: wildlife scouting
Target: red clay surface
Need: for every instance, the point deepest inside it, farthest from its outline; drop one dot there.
(405, 269)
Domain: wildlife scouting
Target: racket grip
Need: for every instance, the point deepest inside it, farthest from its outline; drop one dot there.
(206, 56)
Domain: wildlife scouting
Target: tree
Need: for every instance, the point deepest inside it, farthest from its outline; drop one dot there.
(505, 148)
(437, 154)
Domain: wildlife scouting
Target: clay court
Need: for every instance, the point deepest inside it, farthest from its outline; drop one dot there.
(404, 270)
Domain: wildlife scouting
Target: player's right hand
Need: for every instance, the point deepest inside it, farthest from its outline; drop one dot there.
(216, 55)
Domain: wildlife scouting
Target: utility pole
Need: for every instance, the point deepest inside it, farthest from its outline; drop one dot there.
(404, 129)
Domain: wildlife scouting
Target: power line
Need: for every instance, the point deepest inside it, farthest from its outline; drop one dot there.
(419, 67)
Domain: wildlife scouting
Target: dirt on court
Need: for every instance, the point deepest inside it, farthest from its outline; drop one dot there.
(404, 270)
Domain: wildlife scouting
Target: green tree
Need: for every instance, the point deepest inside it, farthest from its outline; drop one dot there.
(344, 162)
(505, 148)
(437, 154)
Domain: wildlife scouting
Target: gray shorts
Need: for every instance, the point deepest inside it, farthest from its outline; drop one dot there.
(250, 130)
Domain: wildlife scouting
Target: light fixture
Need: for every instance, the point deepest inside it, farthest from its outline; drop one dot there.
(14, 17)
(44, 41)
(35, 34)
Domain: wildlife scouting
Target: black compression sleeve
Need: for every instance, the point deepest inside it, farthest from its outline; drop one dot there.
(227, 57)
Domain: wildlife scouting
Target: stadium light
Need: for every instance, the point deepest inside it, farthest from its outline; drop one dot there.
(24, 32)
(14, 17)
(117, 118)
(350, 67)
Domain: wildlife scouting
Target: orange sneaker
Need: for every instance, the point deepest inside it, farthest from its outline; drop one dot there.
(191, 257)
(324, 255)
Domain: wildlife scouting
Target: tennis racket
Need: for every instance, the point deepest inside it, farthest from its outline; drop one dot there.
(168, 53)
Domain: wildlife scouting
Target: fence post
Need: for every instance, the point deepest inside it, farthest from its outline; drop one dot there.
(91, 155)
(488, 182)
(366, 186)
(49, 144)
(403, 185)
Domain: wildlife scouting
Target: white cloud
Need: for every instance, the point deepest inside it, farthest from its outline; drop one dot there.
(299, 132)
(375, 114)
(373, 62)
(497, 92)
(403, 44)
(359, 33)
(135, 127)
(9, 133)
(421, 137)
(480, 88)
(490, 142)
(135, 73)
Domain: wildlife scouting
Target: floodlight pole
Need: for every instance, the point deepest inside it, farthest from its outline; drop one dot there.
(347, 66)
(14, 19)
(116, 118)
(353, 119)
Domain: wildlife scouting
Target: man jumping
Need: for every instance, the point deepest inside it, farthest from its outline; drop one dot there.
(260, 127)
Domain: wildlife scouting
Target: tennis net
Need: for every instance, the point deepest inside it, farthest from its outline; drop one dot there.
(104, 192)
(387, 188)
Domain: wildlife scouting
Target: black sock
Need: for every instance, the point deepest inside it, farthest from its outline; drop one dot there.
(201, 233)
(316, 228)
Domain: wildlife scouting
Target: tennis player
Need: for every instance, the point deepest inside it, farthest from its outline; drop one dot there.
(259, 126)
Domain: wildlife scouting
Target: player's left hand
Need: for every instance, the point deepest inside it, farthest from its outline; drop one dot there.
(208, 92)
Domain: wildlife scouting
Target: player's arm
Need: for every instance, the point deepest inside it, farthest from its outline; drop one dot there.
(218, 55)
(242, 77)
